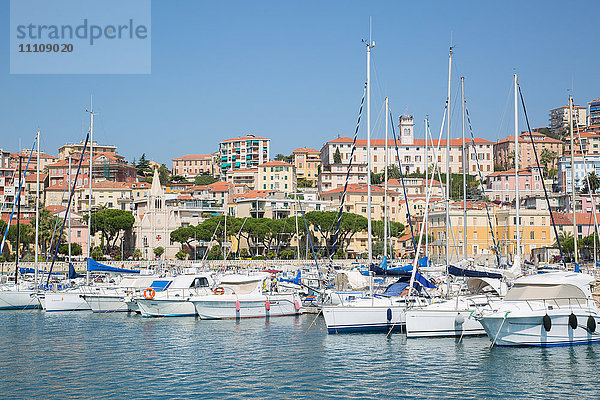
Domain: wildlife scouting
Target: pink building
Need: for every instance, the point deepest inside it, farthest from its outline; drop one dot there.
(501, 184)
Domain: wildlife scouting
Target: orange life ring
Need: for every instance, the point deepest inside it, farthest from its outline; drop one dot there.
(149, 293)
(219, 290)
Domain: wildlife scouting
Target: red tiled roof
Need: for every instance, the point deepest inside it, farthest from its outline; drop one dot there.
(305, 150)
(524, 137)
(55, 209)
(194, 157)
(416, 142)
(511, 172)
(360, 188)
(33, 177)
(251, 194)
(276, 164)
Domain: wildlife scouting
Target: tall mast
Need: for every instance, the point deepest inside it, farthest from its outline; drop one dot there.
(464, 167)
(517, 153)
(370, 45)
(18, 225)
(89, 243)
(37, 210)
(573, 179)
(385, 188)
(70, 183)
(426, 220)
(449, 103)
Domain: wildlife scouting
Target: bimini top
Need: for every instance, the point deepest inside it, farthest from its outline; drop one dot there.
(553, 285)
(482, 285)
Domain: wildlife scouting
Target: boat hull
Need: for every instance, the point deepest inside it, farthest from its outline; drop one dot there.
(65, 301)
(442, 323)
(18, 300)
(246, 306)
(529, 330)
(99, 303)
(166, 308)
(347, 319)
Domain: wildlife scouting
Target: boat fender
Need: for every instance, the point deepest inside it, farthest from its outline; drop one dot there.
(389, 314)
(296, 305)
(237, 305)
(460, 319)
(591, 324)
(267, 305)
(547, 322)
(573, 321)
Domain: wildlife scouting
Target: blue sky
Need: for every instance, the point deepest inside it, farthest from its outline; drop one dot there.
(294, 71)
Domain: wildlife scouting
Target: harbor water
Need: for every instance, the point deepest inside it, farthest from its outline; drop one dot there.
(80, 355)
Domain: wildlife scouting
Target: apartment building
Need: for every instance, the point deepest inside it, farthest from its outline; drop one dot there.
(582, 169)
(243, 152)
(590, 143)
(594, 112)
(501, 184)
(106, 166)
(333, 176)
(278, 176)
(76, 148)
(307, 162)
(191, 165)
(504, 150)
(246, 176)
(559, 118)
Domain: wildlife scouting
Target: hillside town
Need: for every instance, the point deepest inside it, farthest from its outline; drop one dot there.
(236, 199)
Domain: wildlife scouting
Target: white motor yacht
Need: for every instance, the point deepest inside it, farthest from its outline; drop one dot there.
(551, 309)
(115, 299)
(240, 296)
(174, 301)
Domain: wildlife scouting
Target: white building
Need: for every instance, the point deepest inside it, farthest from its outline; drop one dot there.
(592, 164)
(412, 155)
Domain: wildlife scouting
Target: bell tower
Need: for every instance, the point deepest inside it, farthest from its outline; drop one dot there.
(407, 126)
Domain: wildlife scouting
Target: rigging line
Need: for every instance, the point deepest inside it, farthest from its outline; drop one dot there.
(210, 243)
(500, 126)
(481, 183)
(537, 161)
(587, 178)
(17, 198)
(68, 210)
(412, 232)
(312, 248)
(349, 170)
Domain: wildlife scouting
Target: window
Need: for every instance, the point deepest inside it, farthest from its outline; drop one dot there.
(532, 235)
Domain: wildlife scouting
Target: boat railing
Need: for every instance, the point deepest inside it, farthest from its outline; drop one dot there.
(558, 303)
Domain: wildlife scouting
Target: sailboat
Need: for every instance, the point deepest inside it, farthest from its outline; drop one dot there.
(21, 295)
(454, 316)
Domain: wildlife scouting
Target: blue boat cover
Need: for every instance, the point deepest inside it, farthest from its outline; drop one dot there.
(160, 285)
(95, 266)
(23, 270)
(72, 274)
(452, 270)
(297, 280)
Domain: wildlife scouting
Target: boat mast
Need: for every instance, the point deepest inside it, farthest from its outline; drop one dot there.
(385, 189)
(18, 225)
(464, 167)
(573, 205)
(370, 45)
(70, 183)
(89, 243)
(448, 101)
(37, 210)
(426, 221)
(517, 152)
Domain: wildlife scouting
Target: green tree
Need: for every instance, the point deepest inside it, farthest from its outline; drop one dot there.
(181, 255)
(337, 156)
(97, 254)
(287, 254)
(159, 251)
(184, 235)
(303, 182)
(281, 157)
(177, 179)
(204, 179)
(547, 158)
(143, 166)
(76, 249)
(111, 223)
(378, 248)
(594, 183)
(137, 254)
(163, 174)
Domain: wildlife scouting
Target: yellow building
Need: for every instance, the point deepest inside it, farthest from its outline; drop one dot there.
(535, 228)
(278, 176)
(307, 162)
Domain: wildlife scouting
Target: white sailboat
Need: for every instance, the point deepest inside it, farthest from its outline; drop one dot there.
(22, 295)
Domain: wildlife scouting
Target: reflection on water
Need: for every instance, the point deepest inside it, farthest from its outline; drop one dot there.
(83, 355)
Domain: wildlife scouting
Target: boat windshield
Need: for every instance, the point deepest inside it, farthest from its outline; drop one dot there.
(544, 292)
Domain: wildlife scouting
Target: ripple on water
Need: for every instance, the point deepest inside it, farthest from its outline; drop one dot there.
(81, 355)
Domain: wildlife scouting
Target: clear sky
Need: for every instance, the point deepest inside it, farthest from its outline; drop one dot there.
(294, 71)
